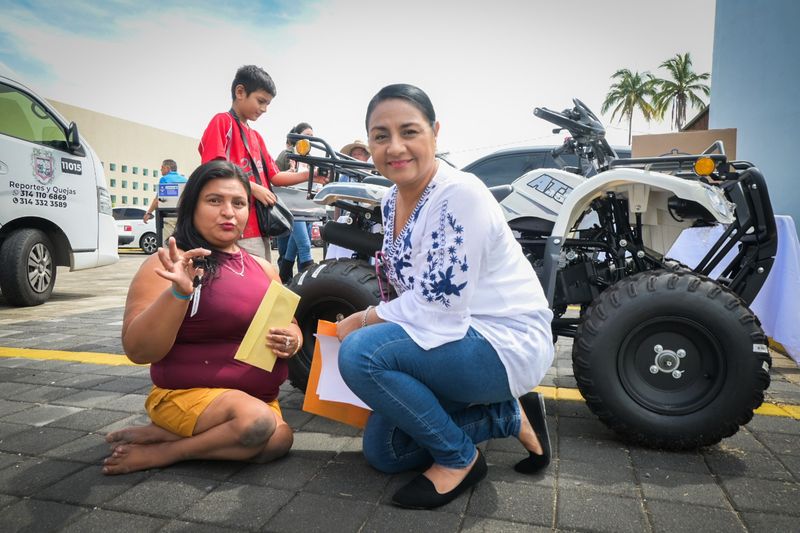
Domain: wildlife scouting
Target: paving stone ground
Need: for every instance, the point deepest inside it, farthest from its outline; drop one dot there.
(54, 416)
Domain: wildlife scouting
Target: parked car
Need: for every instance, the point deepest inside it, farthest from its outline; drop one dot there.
(143, 234)
(504, 166)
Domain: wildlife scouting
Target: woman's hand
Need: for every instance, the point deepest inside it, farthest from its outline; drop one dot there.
(348, 325)
(177, 266)
(284, 342)
(263, 194)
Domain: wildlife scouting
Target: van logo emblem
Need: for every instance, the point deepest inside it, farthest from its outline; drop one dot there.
(43, 165)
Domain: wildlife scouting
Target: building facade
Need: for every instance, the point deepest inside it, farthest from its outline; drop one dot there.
(131, 153)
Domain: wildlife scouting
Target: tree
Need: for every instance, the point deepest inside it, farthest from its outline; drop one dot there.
(684, 87)
(629, 92)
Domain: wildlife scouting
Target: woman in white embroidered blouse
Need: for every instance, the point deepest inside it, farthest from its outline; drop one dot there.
(442, 365)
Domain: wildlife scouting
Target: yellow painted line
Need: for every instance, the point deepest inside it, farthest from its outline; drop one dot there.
(551, 393)
(78, 357)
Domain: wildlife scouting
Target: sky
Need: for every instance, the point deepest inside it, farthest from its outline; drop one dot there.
(485, 65)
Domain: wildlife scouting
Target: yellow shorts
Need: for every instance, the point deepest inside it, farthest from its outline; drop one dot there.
(177, 410)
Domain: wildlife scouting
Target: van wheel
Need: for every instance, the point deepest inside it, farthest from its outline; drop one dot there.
(341, 286)
(29, 270)
(148, 243)
(670, 359)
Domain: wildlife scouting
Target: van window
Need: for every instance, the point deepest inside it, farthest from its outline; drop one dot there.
(24, 118)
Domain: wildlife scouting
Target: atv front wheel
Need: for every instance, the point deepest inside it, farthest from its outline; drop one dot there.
(337, 287)
(670, 359)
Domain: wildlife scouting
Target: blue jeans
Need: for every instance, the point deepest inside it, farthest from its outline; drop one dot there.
(297, 244)
(428, 406)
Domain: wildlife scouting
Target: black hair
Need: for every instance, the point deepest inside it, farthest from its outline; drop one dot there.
(300, 128)
(186, 235)
(403, 91)
(253, 78)
(173, 166)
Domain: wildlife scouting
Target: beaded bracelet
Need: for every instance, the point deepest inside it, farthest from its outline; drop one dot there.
(366, 314)
(180, 296)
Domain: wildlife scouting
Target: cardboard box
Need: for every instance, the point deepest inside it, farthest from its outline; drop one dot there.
(684, 142)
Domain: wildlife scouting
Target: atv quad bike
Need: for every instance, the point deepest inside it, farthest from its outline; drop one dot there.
(665, 355)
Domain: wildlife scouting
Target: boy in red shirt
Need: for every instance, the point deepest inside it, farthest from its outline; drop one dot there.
(229, 137)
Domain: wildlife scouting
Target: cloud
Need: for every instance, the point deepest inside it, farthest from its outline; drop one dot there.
(170, 64)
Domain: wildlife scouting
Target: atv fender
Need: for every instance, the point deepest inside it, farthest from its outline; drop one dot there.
(640, 186)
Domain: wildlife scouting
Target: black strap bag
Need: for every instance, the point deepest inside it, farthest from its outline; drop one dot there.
(273, 220)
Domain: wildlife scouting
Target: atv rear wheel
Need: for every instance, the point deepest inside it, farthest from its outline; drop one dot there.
(338, 287)
(670, 359)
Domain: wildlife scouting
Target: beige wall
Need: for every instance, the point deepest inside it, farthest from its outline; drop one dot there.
(123, 142)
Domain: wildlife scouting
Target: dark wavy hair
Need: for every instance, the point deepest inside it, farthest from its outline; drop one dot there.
(412, 94)
(186, 235)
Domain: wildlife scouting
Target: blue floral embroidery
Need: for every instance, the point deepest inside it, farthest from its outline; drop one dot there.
(443, 277)
(399, 251)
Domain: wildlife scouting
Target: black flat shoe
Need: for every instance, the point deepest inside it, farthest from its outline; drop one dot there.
(420, 493)
(533, 405)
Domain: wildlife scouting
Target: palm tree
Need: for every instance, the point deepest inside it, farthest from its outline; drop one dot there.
(683, 88)
(630, 92)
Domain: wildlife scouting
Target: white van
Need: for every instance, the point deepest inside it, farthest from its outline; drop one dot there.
(55, 209)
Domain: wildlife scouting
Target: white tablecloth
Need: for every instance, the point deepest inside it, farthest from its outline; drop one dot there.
(778, 303)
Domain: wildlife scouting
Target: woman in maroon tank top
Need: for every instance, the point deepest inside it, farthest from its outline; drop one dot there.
(188, 309)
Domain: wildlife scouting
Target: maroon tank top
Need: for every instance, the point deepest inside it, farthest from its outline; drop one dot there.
(202, 355)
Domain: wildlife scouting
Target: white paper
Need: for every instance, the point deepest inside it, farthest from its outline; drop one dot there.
(331, 386)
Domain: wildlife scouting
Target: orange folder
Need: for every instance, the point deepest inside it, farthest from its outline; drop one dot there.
(341, 412)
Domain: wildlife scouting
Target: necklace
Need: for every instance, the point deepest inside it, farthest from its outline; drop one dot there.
(241, 270)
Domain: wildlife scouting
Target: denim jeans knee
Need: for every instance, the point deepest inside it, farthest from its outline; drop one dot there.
(422, 397)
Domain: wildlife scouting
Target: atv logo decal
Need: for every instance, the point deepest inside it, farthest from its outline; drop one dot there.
(550, 187)
(43, 164)
(71, 166)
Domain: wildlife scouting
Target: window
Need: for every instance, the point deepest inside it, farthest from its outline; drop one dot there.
(145, 187)
(113, 199)
(124, 184)
(144, 202)
(135, 171)
(135, 200)
(112, 182)
(124, 199)
(145, 172)
(125, 168)
(112, 166)
(135, 185)
(24, 118)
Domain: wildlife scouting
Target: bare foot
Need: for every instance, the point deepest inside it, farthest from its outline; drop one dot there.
(445, 479)
(128, 458)
(527, 436)
(149, 434)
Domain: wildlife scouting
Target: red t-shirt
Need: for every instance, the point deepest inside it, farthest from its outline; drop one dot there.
(222, 140)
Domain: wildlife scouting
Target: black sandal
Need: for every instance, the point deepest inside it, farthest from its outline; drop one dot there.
(533, 405)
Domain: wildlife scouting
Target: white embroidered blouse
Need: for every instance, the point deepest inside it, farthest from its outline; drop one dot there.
(455, 264)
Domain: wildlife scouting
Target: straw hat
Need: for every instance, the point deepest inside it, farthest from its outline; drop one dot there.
(347, 148)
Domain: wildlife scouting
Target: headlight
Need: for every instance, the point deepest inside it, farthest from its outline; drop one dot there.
(718, 201)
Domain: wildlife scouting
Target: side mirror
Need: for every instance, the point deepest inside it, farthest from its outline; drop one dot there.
(74, 139)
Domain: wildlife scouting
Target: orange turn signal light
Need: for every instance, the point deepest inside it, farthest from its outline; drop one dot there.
(302, 147)
(704, 166)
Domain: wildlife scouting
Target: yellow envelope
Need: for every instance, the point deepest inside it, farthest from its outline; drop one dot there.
(276, 311)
